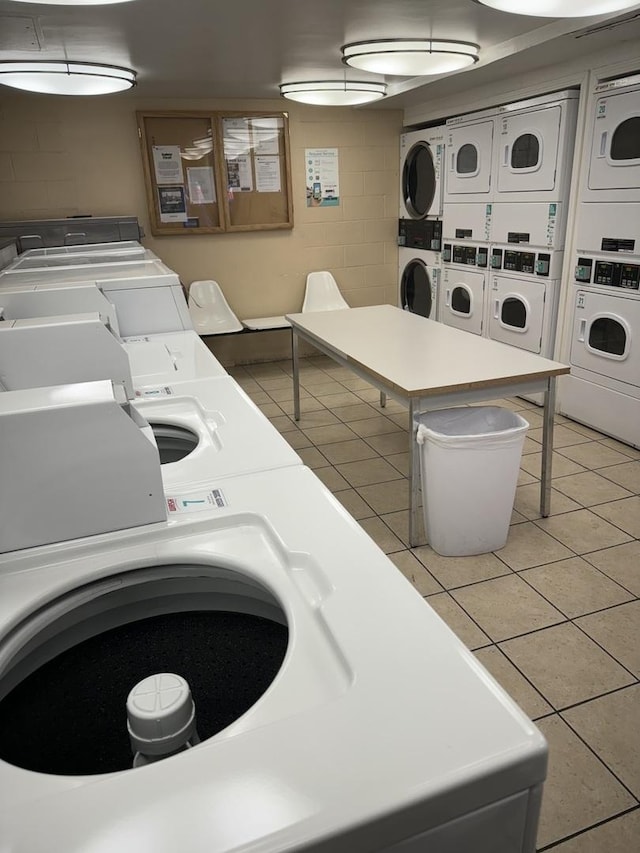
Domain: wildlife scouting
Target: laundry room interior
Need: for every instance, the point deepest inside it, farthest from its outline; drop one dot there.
(319, 426)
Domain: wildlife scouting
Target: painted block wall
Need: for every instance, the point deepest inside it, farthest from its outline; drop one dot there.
(66, 156)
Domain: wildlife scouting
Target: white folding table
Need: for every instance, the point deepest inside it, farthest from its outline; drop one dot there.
(427, 365)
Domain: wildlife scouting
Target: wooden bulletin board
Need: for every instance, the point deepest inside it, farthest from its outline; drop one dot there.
(213, 172)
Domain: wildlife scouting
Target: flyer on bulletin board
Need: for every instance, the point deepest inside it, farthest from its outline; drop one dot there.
(323, 188)
(167, 164)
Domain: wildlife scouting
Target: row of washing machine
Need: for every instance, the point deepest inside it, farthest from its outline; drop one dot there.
(153, 521)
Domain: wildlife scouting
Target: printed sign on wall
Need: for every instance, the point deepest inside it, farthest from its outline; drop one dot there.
(321, 167)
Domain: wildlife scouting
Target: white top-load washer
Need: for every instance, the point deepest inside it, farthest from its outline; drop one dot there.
(79, 259)
(609, 210)
(379, 731)
(147, 295)
(123, 248)
(421, 173)
(469, 183)
(533, 146)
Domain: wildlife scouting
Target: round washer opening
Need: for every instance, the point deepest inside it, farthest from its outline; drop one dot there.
(174, 442)
(66, 671)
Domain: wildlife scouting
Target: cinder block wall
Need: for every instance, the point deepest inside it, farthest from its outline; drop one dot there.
(66, 156)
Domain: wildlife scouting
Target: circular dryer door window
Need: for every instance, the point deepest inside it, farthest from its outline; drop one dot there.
(415, 288)
(513, 313)
(419, 180)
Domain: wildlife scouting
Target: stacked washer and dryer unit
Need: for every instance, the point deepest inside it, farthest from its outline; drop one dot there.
(507, 183)
(420, 220)
(603, 390)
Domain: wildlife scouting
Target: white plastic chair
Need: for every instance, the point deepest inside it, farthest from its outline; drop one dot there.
(322, 293)
(210, 311)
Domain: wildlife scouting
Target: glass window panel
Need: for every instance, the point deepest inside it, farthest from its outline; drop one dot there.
(461, 300)
(608, 335)
(467, 159)
(625, 144)
(419, 180)
(525, 152)
(514, 313)
(416, 289)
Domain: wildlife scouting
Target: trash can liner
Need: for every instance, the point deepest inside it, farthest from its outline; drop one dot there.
(471, 426)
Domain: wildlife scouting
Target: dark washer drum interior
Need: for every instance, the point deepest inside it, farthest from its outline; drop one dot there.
(174, 442)
(419, 180)
(63, 705)
(416, 289)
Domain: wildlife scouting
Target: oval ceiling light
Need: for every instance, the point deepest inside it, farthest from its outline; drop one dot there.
(410, 57)
(66, 78)
(334, 93)
(74, 2)
(558, 8)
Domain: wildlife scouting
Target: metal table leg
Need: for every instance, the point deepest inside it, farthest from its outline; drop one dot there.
(414, 479)
(296, 374)
(383, 399)
(547, 447)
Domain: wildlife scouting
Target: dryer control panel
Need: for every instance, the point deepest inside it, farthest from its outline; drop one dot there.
(466, 255)
(607, 273)
(529, 263)
(420, 234)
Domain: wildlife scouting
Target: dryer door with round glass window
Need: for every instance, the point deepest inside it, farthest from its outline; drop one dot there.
(462, 300)
(615, 150)
(417, 289)
(468, 156)
(516, 312)
(420, 182)
(606, 336)
(528, 150)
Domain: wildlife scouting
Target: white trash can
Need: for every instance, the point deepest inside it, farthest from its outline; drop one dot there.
(469, 462)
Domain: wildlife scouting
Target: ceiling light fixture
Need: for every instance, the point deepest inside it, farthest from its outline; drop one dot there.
(410, 57)
(558, 8)
(334, 93)
(66, 78)
(73, 2)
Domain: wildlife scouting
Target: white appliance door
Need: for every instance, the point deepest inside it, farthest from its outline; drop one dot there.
(420, 182)
(528, 150)
(469, 150)
(615, 150)
(516, 314)
(418, 288)
(463, 300)
(606, 336)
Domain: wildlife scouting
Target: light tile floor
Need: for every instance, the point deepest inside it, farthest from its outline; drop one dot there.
(554, 615)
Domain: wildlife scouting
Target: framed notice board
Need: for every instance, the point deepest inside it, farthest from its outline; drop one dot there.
(213, 172)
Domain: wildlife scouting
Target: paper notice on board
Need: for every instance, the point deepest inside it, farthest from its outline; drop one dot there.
(236, 136)
(266, 135)
(239, 178)
(173, 205)
(268, 174)
(167, 164)
(201, 185)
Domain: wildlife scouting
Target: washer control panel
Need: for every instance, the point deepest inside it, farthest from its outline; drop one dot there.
(466, 255)
(607, 273)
